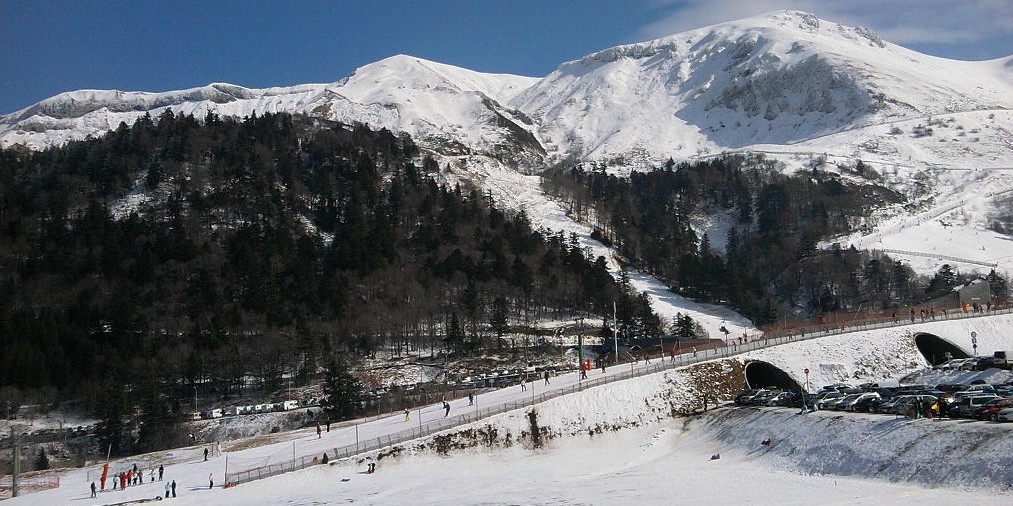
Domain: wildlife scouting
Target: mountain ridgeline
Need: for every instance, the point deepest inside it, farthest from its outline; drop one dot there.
(181, 251)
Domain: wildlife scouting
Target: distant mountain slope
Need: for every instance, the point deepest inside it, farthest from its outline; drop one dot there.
(774, 79)
(449, 109)
(808, 92)
(780, 78)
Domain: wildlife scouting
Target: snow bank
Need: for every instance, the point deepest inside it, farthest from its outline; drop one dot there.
(948, 453)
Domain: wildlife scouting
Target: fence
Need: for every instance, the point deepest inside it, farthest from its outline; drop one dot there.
(658, 365)
(26, 485)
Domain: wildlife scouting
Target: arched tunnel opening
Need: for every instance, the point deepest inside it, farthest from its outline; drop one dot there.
(762, 375)
(936, 349)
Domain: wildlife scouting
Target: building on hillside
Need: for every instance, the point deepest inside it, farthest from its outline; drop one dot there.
(974, 291)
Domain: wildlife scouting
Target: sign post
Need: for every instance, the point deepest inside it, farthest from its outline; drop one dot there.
(806, 371)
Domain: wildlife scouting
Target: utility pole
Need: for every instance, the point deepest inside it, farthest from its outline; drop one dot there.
(580, 344)
(615, 331)
(16, 464)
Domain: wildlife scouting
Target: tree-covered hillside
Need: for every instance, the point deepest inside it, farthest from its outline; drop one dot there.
(184, 251)
(769, 266)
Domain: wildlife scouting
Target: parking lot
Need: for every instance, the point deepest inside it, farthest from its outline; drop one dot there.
(976, 401)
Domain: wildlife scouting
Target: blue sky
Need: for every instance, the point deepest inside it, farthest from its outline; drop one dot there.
(48, 47)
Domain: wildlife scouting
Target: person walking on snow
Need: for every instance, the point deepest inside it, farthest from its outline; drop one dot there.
(93, 489)
(174, 488)
(166, 490)
(471, 398)
(160, 470)
(205, 455)
(546, 377)
(318, 430)
(446, 407)
(406, 413)
(211, 481)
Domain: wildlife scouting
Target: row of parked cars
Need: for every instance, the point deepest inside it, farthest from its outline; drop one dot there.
(978, 401)
(997, 360)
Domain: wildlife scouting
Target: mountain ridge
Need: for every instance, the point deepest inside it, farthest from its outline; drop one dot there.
(772, 79)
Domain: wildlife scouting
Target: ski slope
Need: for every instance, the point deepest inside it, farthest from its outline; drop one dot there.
(619, 441)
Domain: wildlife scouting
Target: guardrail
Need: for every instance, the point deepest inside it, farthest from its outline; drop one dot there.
(681, 360)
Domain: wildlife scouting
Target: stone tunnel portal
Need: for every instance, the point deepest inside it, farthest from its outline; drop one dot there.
(761, 374)
(936, 349)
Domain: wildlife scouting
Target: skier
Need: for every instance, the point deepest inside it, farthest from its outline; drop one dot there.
(93, 489)
(160, 471)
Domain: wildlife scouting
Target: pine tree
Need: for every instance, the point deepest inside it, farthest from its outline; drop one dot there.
(111, 428)
(342, 393)
(999, 286)
(498, 317)
(42, 461)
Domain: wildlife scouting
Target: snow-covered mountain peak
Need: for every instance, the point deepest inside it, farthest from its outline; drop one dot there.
(778, 78)
(785, 77)
(403, 72)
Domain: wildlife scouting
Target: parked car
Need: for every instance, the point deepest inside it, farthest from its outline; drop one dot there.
(970, 364)
(953, 365)
(1005, 415)
(761, 398)
(828, 401)
(951, 388)
(869, 404)
(990, 409)
(909, 402)
(849, 402)
(782, 399)
(836, 387)
(1001, 360)
(966, 405)
(887, 406)
(747, 395)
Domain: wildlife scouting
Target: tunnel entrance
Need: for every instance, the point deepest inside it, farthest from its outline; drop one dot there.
(761, 375)
(935, 348)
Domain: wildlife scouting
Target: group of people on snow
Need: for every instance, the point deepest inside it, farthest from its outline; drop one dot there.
(131, 477)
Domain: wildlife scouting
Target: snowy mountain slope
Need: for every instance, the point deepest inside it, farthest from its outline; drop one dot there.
(787, 84)
(445, 108)
(779, 78)
(775, 79)
(514, 190)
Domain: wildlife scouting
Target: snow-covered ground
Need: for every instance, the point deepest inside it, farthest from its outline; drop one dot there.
(619, 442)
